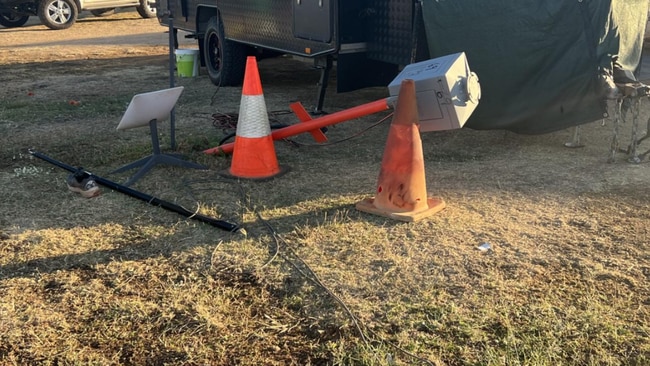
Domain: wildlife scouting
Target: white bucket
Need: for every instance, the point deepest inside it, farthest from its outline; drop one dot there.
(187, 63)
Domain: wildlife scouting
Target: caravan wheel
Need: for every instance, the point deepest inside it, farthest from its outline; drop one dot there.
(225, 60)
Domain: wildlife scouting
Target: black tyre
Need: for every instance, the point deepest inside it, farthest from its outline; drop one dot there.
(12, 21)
(225, 60)
(58, 14)
(103, 12)
(147, 9)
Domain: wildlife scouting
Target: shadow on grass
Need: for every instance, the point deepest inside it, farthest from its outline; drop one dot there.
(143, 249)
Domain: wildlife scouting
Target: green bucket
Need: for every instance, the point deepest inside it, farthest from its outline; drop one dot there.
(187, 63)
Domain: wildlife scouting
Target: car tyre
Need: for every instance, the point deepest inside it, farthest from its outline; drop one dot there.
(147, 9)
(12, 21)
(58, 14)
(225, 60)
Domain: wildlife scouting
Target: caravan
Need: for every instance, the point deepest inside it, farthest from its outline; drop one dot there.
(539, 62)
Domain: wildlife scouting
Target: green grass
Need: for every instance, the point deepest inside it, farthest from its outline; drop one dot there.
(31, 110)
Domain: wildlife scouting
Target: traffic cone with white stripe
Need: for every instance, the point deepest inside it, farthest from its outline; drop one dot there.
(401, 188)
(254, 154)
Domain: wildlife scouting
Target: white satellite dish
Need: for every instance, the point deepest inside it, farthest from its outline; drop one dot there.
(149, 109)
(145, 107)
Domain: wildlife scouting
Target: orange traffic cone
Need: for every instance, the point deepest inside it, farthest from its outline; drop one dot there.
(254, 154)
(401, 188)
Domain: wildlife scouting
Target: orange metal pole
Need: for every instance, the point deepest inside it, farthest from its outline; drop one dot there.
(316, 123)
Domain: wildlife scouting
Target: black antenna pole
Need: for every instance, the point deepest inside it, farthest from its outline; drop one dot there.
(142, 196)
(172, 62)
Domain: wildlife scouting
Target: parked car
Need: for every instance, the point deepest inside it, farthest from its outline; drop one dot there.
(62, 14)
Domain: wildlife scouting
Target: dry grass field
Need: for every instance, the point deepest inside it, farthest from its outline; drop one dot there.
(310, 280)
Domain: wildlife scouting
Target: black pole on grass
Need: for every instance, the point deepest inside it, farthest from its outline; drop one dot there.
(172, 63)
(221, 224)
(173, 45)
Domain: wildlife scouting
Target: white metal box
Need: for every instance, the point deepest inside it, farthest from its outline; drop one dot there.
(447, 91)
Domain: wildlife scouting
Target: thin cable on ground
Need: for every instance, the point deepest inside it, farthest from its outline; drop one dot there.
(315, 279)
(214, 252)
(306, 271)
(214, 96)
(242, 195)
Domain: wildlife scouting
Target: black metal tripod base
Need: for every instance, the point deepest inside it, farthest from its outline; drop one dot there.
(155, 159)
(152, 160)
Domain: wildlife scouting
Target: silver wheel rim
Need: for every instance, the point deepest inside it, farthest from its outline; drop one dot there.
(59, 12)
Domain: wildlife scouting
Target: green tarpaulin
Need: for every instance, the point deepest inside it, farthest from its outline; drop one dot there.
(539, 62)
